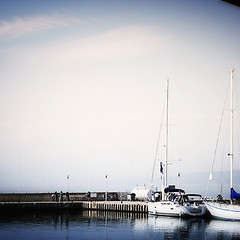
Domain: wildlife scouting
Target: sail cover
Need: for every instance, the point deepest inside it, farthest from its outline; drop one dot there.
(168, 189)
(234, 194)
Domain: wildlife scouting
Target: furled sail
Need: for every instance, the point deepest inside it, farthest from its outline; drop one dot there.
(234, 194)
(168, 189)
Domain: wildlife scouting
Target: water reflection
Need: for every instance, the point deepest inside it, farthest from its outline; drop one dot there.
(219, 229)
(174, 228)
(109, 225)
(114, 215)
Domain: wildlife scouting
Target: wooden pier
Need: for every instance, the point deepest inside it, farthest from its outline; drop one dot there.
(118, 206)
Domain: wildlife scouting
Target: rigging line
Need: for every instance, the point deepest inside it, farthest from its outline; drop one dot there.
(221, 177)
(236, 132)
(216, 146)
(236, 171)
(237, 90)
(159, 134)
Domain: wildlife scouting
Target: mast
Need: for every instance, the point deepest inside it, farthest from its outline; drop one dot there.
(231, 131)
(166, 144)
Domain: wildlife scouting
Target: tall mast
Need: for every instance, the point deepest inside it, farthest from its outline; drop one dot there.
(231, 131)
(166, 144)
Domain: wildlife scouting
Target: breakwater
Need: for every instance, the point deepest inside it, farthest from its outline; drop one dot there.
(113, 206)
(72, 196)
(15, 207)
(94, 201)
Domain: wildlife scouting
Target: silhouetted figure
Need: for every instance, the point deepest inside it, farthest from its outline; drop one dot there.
(133, 196)
(88, 196)
(56, 196)
(53, 197)
(61, 197)
(67, 195)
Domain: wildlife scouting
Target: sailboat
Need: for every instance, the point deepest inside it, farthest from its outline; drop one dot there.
(175, 202)
(222, 209)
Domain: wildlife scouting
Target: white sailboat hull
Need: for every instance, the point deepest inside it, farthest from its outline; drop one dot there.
(169, 208)
(224, 211)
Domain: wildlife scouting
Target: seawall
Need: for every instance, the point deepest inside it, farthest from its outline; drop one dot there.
(73, 196)
(114, 206)
(95, 201)
(14, 207)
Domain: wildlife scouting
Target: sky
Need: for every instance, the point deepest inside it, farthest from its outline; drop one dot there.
(83, 83)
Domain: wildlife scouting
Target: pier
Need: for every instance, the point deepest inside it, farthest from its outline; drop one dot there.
(77, 202)
(118, 206)
(18, 207)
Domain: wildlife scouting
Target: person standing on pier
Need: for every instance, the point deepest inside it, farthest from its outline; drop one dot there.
(67, 195)
(61, 197)
(56, 196)
(53, 197)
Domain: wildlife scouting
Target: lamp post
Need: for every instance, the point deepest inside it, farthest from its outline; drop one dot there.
(68, 182)
(106, 176)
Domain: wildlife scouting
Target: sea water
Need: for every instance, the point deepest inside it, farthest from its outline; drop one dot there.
(111, 225)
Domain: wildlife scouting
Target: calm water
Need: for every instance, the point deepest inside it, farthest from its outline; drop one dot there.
(100, 225)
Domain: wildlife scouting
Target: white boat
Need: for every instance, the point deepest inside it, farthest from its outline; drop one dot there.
(180, 205)
(174, 201)
(224, 211)
(227, 209)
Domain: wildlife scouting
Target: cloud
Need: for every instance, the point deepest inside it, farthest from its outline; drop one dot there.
(121, 43)
(19, 27)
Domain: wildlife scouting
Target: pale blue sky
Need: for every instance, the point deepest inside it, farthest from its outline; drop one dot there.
(82, 87)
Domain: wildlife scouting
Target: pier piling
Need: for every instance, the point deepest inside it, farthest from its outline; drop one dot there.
(136, 207)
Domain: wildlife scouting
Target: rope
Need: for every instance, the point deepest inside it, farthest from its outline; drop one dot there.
(159, 134)
(237, 90)
(215, 151)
